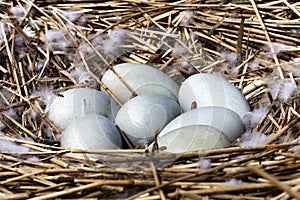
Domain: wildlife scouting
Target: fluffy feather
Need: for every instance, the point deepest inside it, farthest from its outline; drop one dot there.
(254, 64)
(82, 77)
(33, 159)
(277, 47)
(252, 139)
(18, 12)
(58, 40)
(233, 182)
(6, 145)
(204, 163)
(251, 119)
(230, 57)
(178, 50)
(286, 91)
(293, 68)
(2, 126)
(281, 89)
(187, 17)
(115, 40)
(46, 96)
(296, 149)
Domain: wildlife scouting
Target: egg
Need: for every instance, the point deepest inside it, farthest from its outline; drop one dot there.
(211, 90)
(143, 79)
(91, 132)
(145, 115)
(75, 103)
(192, 138)
(223, 119)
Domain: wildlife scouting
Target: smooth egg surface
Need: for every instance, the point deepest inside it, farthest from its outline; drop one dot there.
(91, 132)
(145, 115)
(227, 121)
(192, 138)
(143, 79)
(211, 90)
(75, 103)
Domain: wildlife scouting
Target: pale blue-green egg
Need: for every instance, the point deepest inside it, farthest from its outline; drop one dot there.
(145, 115)
(223, 119)
(91, 132)
(142, 79)
(192, 138)
(211, 90)
(75, 103)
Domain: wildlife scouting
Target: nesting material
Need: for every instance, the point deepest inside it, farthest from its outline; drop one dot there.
(47, 47)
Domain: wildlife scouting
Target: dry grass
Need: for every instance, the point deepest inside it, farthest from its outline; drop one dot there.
(206, 32)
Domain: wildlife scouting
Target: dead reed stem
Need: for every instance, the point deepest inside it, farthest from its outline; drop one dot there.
(180, 38)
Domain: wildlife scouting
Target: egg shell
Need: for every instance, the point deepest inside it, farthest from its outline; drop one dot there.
(211, 90)
(192, 138)
(143, 79)
(75, 103)
(227, 121)
(91, 132)
(143, 116)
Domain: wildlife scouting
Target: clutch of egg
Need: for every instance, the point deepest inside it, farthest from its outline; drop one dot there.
(86, 116)
(214, 124)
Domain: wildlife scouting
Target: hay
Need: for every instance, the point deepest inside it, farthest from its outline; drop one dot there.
(251, 43)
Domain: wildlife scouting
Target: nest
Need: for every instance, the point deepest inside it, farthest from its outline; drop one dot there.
(51, 46)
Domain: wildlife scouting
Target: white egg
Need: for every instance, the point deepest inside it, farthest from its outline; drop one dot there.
(75, 103)
(192, 138)
(143, 79)
(211, 90)
(145, 115)
(91, 132)
(227, 121)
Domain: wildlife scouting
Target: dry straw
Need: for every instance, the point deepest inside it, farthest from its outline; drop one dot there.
(254, 44)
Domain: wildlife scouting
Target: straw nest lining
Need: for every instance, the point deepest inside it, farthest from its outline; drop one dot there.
(48, 47)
